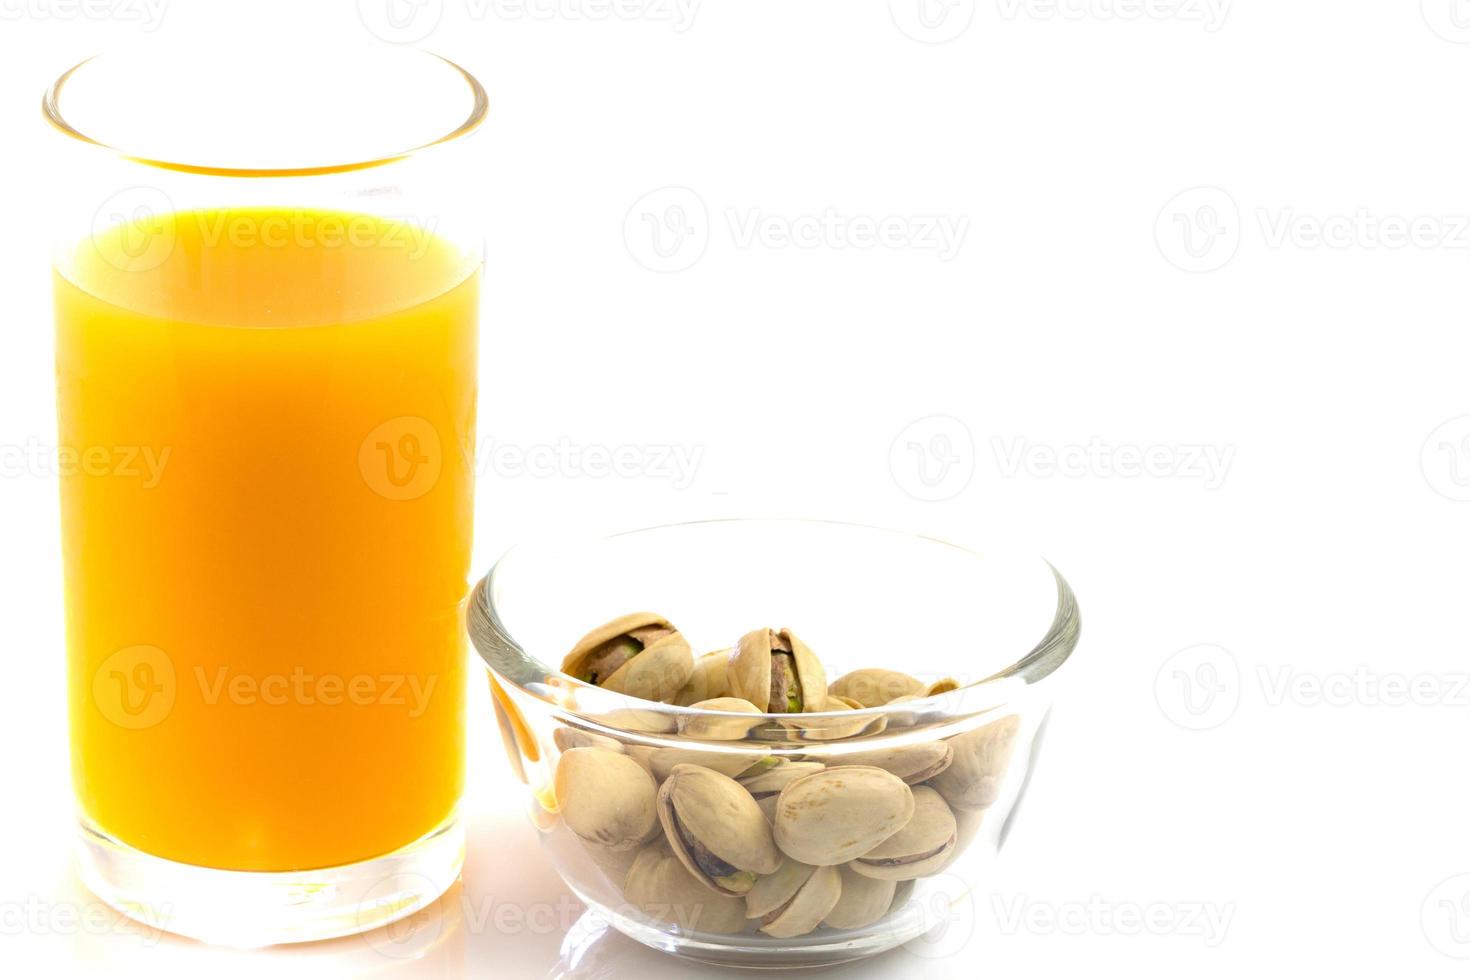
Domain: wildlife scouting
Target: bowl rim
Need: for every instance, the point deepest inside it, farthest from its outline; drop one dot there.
(1045, 657)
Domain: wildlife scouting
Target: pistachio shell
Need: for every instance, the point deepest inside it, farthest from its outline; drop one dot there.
(606, 798)
(701, 809)
(806, 909)
(942, 686)
(715, 727)
(834, 728)
(769, 782)
(749, 672)
(912, 763)
(776, 889)
(981, 757)
(901, 896)
(707, 680)
(836, 815)
(661, 762)
(864, 900)
(659, 885)
(921, 848)
(967, 828)
(578, 738)
(654, 672)
(873, 686)
(637, 720)
(614, 865)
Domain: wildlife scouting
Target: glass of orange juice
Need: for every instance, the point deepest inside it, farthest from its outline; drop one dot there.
(266, 292)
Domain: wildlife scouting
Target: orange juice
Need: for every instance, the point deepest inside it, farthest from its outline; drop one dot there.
(265, 417)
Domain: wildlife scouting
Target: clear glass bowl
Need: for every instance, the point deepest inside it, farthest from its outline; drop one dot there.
(996, 626)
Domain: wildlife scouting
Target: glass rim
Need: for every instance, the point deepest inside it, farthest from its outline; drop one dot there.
(51, 109)
(1044, 658)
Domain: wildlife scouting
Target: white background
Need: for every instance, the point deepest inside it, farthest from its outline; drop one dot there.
(1232, 231)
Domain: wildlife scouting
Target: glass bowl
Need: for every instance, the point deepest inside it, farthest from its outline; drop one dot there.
(979, 634)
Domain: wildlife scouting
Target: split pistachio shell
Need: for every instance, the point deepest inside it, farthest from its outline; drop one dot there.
(921, 848)
(873, 687)
(716, 829)
(606, 798)
(981, 757)
(805, 910)
(943, 686)
(715, 727)
(838, 814)
(863, 901)
(661, 887)
(707, 681)
(912, 763)
(774, 890)
(640, 655)
(776, 670)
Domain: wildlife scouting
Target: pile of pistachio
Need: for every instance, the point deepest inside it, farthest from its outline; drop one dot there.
(723, 841)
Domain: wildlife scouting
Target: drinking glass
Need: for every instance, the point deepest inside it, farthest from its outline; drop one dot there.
(267, 270)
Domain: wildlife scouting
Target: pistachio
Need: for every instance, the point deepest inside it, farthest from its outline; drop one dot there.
(981, 757)
(795, 900)
(606, 798)
(774, 890)
(716, 829)
(715, 727)
(707, 681)
(579, 738)
(921, 848)
(771, 781)
(835, 727)
(912, 763)
(863, 901)
(836, 815)
(662, 762)
(967, 828)
(640, 655)
(942, 686)
(777, 671)
(661, 887)
(873, 687)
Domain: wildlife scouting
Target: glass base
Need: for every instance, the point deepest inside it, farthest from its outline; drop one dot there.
(751, 951)
(264, 908)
